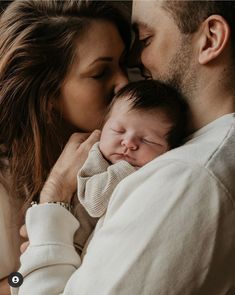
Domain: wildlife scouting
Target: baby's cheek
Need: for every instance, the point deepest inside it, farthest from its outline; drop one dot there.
(107, 147)
(148, 155)
(142, 157)
(103, 146)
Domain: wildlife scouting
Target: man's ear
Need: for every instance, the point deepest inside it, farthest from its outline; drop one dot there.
(213, 39)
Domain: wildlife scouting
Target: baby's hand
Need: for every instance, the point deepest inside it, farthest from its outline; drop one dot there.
(61, 183)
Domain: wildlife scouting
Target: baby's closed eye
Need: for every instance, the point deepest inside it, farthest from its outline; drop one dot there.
(149, 141)
(118, 130)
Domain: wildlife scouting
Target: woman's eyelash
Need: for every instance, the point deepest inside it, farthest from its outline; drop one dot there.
(100, 75)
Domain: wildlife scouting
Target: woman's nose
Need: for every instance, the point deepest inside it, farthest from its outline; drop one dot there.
(130, 144)
(121, 81)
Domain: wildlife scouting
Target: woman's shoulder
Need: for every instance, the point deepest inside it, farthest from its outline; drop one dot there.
(9, 225)
(9, 206)
(9, 230)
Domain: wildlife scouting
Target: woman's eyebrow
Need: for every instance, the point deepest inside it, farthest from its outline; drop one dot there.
(102, 58)
(107, 58)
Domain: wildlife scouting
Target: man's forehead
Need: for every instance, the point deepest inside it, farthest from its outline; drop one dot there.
(144, 13)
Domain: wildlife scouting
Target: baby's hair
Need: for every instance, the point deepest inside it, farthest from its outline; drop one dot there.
(150, 95)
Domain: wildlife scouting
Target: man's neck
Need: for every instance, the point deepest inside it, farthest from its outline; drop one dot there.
(208, 107)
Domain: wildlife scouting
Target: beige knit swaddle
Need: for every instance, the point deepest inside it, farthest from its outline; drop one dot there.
(97, 179)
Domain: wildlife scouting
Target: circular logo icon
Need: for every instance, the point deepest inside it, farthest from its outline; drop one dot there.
(15, 279)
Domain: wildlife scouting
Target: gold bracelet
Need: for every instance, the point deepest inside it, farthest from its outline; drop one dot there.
(67, 206)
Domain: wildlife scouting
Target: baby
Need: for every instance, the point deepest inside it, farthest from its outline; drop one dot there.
(145, 120)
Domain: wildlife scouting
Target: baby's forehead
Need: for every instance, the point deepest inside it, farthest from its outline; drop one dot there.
(125, 106)
(144, 120)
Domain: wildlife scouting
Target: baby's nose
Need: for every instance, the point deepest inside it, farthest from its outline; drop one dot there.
(130, 144)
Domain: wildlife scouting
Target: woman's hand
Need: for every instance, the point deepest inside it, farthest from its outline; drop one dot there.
(61, 183)
(24, 235)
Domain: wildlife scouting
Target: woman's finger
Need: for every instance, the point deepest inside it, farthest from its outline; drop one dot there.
(93, 138)
(23, 232)
(23, 247)
(62, 181)
(87, 139)
(77, 139)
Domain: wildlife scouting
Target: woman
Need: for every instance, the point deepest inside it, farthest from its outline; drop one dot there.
(61, 62)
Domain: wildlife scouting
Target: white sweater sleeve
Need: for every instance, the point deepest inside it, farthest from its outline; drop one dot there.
(156, 238)
(51, 257)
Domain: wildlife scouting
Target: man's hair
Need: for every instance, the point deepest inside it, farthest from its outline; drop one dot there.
(37, 48)
(150, 95)
(189, 14)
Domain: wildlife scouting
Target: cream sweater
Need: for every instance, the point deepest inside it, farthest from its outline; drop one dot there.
(97, 179)
(169, 229)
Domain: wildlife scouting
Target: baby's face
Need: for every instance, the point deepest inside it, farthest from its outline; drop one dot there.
(136, 136)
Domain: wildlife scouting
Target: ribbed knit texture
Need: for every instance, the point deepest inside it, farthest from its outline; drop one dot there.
(97, 179)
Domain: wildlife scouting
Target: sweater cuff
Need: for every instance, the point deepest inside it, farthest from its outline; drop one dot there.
(50, 223)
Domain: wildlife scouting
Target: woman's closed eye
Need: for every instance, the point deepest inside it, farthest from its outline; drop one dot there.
(101, 74)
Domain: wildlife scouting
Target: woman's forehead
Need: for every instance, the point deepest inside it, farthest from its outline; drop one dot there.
(101, 41)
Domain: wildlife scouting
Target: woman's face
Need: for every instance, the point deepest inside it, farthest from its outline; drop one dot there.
(95, 76)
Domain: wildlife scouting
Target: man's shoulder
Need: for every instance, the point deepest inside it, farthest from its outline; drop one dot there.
(211, 151)
(203, 145)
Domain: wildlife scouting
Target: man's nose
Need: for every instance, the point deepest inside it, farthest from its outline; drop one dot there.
(134, 60)
(121, 81)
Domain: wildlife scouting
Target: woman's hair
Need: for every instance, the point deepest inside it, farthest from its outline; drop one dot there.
(3, 5)
(37, 48)
(151, 95)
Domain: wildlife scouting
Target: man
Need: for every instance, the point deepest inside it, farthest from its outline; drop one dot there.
(169, 227)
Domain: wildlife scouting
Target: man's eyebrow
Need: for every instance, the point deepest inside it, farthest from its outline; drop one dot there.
(140, 26)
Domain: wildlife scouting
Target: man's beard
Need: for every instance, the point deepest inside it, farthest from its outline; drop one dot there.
(181, 72)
